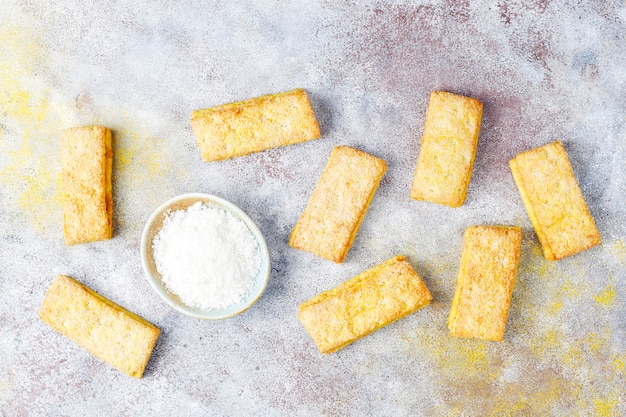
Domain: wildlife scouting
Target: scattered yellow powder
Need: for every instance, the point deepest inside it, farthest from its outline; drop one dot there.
(618, 247)
(30, 177)
(571, 290)
(606, 407)
(619, 364)
(547, 342)
(573, 357)
(597, 342)
(555, 307)
(123, 158)
(606, 297)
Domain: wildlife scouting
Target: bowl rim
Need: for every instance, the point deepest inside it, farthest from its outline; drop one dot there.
(156, 282)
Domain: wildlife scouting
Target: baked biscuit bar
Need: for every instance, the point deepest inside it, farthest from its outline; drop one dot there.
(338, 204)
(483, 290)
(447, 151)
(254, 125)
(363, 304)
(86, 159)
(106, 330)
(554, 201)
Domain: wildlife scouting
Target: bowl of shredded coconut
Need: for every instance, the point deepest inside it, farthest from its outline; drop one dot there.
(204, 256)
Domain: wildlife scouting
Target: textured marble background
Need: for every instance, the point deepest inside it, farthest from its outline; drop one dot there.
(545, 70)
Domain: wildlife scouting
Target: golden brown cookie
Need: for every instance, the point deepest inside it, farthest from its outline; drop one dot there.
(338, 204)
(86, 159)
(447, 151)
(106, 330)
(254, 125)
(363, 304)
(483, 290)
(554, 201)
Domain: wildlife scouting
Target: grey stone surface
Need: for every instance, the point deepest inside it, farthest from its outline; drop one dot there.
(545, 70)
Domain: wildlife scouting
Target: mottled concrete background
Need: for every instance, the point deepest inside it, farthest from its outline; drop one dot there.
(545, 70)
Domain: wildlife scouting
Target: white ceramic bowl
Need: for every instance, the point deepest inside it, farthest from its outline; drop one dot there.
(153, 226)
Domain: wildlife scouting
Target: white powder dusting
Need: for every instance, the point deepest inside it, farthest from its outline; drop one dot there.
(206, 256)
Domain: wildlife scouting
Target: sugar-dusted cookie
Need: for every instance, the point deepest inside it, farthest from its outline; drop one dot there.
(363, 304)
(254, 125)
(484, 286)
(338, 204)
(106, 330)
(447, 150)
(86, 162)
(554, 201)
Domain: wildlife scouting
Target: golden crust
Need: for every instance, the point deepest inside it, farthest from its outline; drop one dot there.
(447, 150)
(363, 304)
(86, 158)
(554, 202)
(254, 125)
(338, 204)
(106, 330)
(484, 287)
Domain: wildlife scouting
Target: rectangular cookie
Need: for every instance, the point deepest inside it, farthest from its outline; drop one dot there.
(106, 330)
(363, 304)
(338, 204)
(254, 125)
(554, 201)
(86, 163)
(483, 290)
(447, 151)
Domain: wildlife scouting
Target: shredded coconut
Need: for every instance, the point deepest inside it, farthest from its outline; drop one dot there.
(206, 256)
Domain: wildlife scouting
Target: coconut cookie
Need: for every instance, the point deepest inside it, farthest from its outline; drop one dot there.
(106, 330)
(447, 151)
(364, 304)
(484, 286)
(554, 201)
(254, 125)
(86, 160)
(338, 204)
